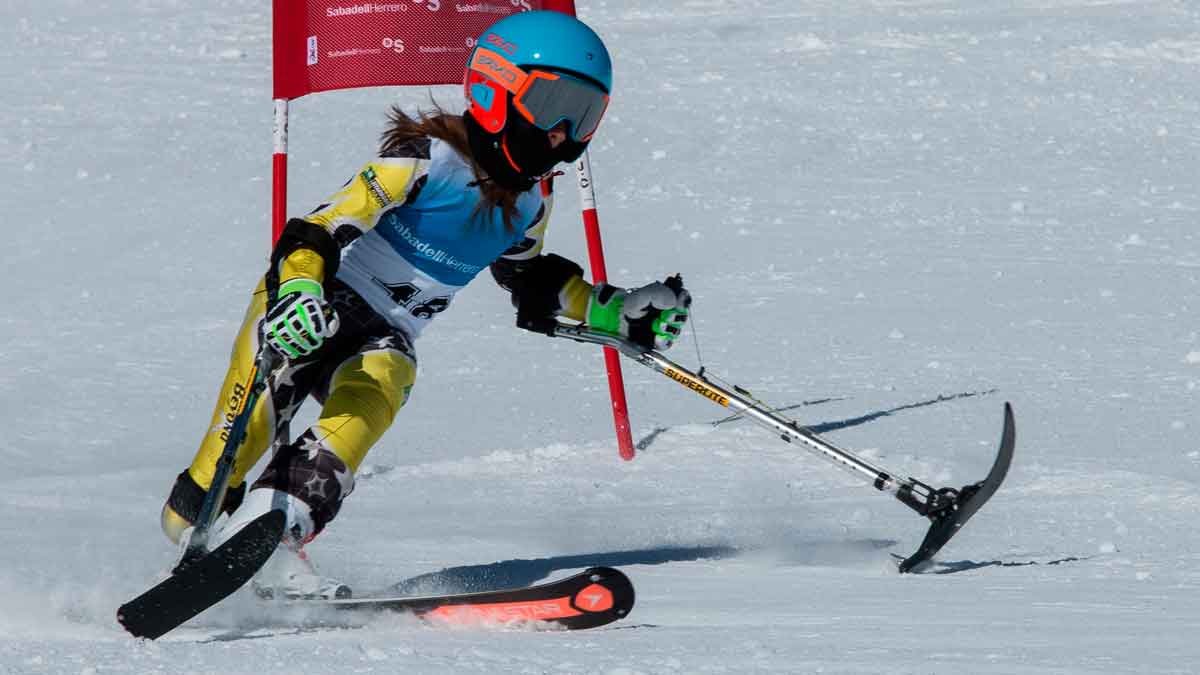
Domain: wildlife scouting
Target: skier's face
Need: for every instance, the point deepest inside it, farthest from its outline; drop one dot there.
(557, 135)
(534, 152)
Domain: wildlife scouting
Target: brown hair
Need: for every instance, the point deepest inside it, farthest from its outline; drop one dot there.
(451, 129)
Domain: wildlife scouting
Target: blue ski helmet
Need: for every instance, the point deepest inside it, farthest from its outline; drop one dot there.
(528, 73)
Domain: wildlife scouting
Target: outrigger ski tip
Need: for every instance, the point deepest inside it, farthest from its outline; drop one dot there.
(950, 509)
(205, 581)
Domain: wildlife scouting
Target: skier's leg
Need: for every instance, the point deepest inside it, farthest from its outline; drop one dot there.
(308, 478)
(317, 469)
(187, 495)
(364, 395)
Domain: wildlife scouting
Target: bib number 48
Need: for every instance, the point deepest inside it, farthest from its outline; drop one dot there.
(405, 294)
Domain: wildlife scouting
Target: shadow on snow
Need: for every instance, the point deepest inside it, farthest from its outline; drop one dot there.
(826, 427)
(954, 567)
(525, 572)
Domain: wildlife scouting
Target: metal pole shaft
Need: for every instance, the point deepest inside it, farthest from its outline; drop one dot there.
(913, 493)
(210, 509)
(789, 431)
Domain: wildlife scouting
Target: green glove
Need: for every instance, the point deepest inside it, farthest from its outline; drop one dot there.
(300, 320)
(651, 316)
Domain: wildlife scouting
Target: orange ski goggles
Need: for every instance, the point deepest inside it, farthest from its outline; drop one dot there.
(542, 97)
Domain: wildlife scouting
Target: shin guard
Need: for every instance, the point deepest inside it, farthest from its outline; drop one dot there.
(313, 474)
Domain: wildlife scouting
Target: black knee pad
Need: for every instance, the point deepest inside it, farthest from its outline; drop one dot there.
(187, 497)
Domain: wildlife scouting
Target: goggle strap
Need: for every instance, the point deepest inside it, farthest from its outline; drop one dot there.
(496, 67)
(507, 155)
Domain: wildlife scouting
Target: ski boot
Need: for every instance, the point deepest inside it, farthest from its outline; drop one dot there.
(291, 575)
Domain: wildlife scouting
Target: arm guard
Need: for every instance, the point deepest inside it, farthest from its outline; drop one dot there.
(537, 286)
(301, 234)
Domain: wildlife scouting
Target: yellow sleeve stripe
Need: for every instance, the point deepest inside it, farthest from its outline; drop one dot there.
(382, 183)
(303, 262)
(573, 298)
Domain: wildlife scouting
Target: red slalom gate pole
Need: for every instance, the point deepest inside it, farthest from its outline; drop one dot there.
(612, 358)
(279, 170)
(591, 227)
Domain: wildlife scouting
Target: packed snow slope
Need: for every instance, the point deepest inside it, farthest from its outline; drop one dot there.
(913, 210)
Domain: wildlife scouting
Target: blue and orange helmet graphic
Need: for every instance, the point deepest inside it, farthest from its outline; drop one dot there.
(550, 66)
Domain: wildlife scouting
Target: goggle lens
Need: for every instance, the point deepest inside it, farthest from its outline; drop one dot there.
(547, 99)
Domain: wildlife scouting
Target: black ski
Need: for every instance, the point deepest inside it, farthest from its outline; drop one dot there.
(594, 597)
(951, 509)
(205, 581)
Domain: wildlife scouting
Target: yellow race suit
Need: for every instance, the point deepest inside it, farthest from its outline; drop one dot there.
(391, 248)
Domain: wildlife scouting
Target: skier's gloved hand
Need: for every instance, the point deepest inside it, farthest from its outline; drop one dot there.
(300, 320)
(651, 316)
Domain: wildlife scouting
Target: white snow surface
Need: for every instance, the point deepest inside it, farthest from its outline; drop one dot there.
(876, 202)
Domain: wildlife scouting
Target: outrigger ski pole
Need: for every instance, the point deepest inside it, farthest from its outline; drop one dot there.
(265, 362)
(205, 575)
(947, 508)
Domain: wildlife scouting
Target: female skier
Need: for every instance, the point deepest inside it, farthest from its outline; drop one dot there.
(364, 272)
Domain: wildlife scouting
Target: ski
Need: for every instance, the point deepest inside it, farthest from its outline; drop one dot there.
(592, 598)
(203, 582)
(951, 509)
